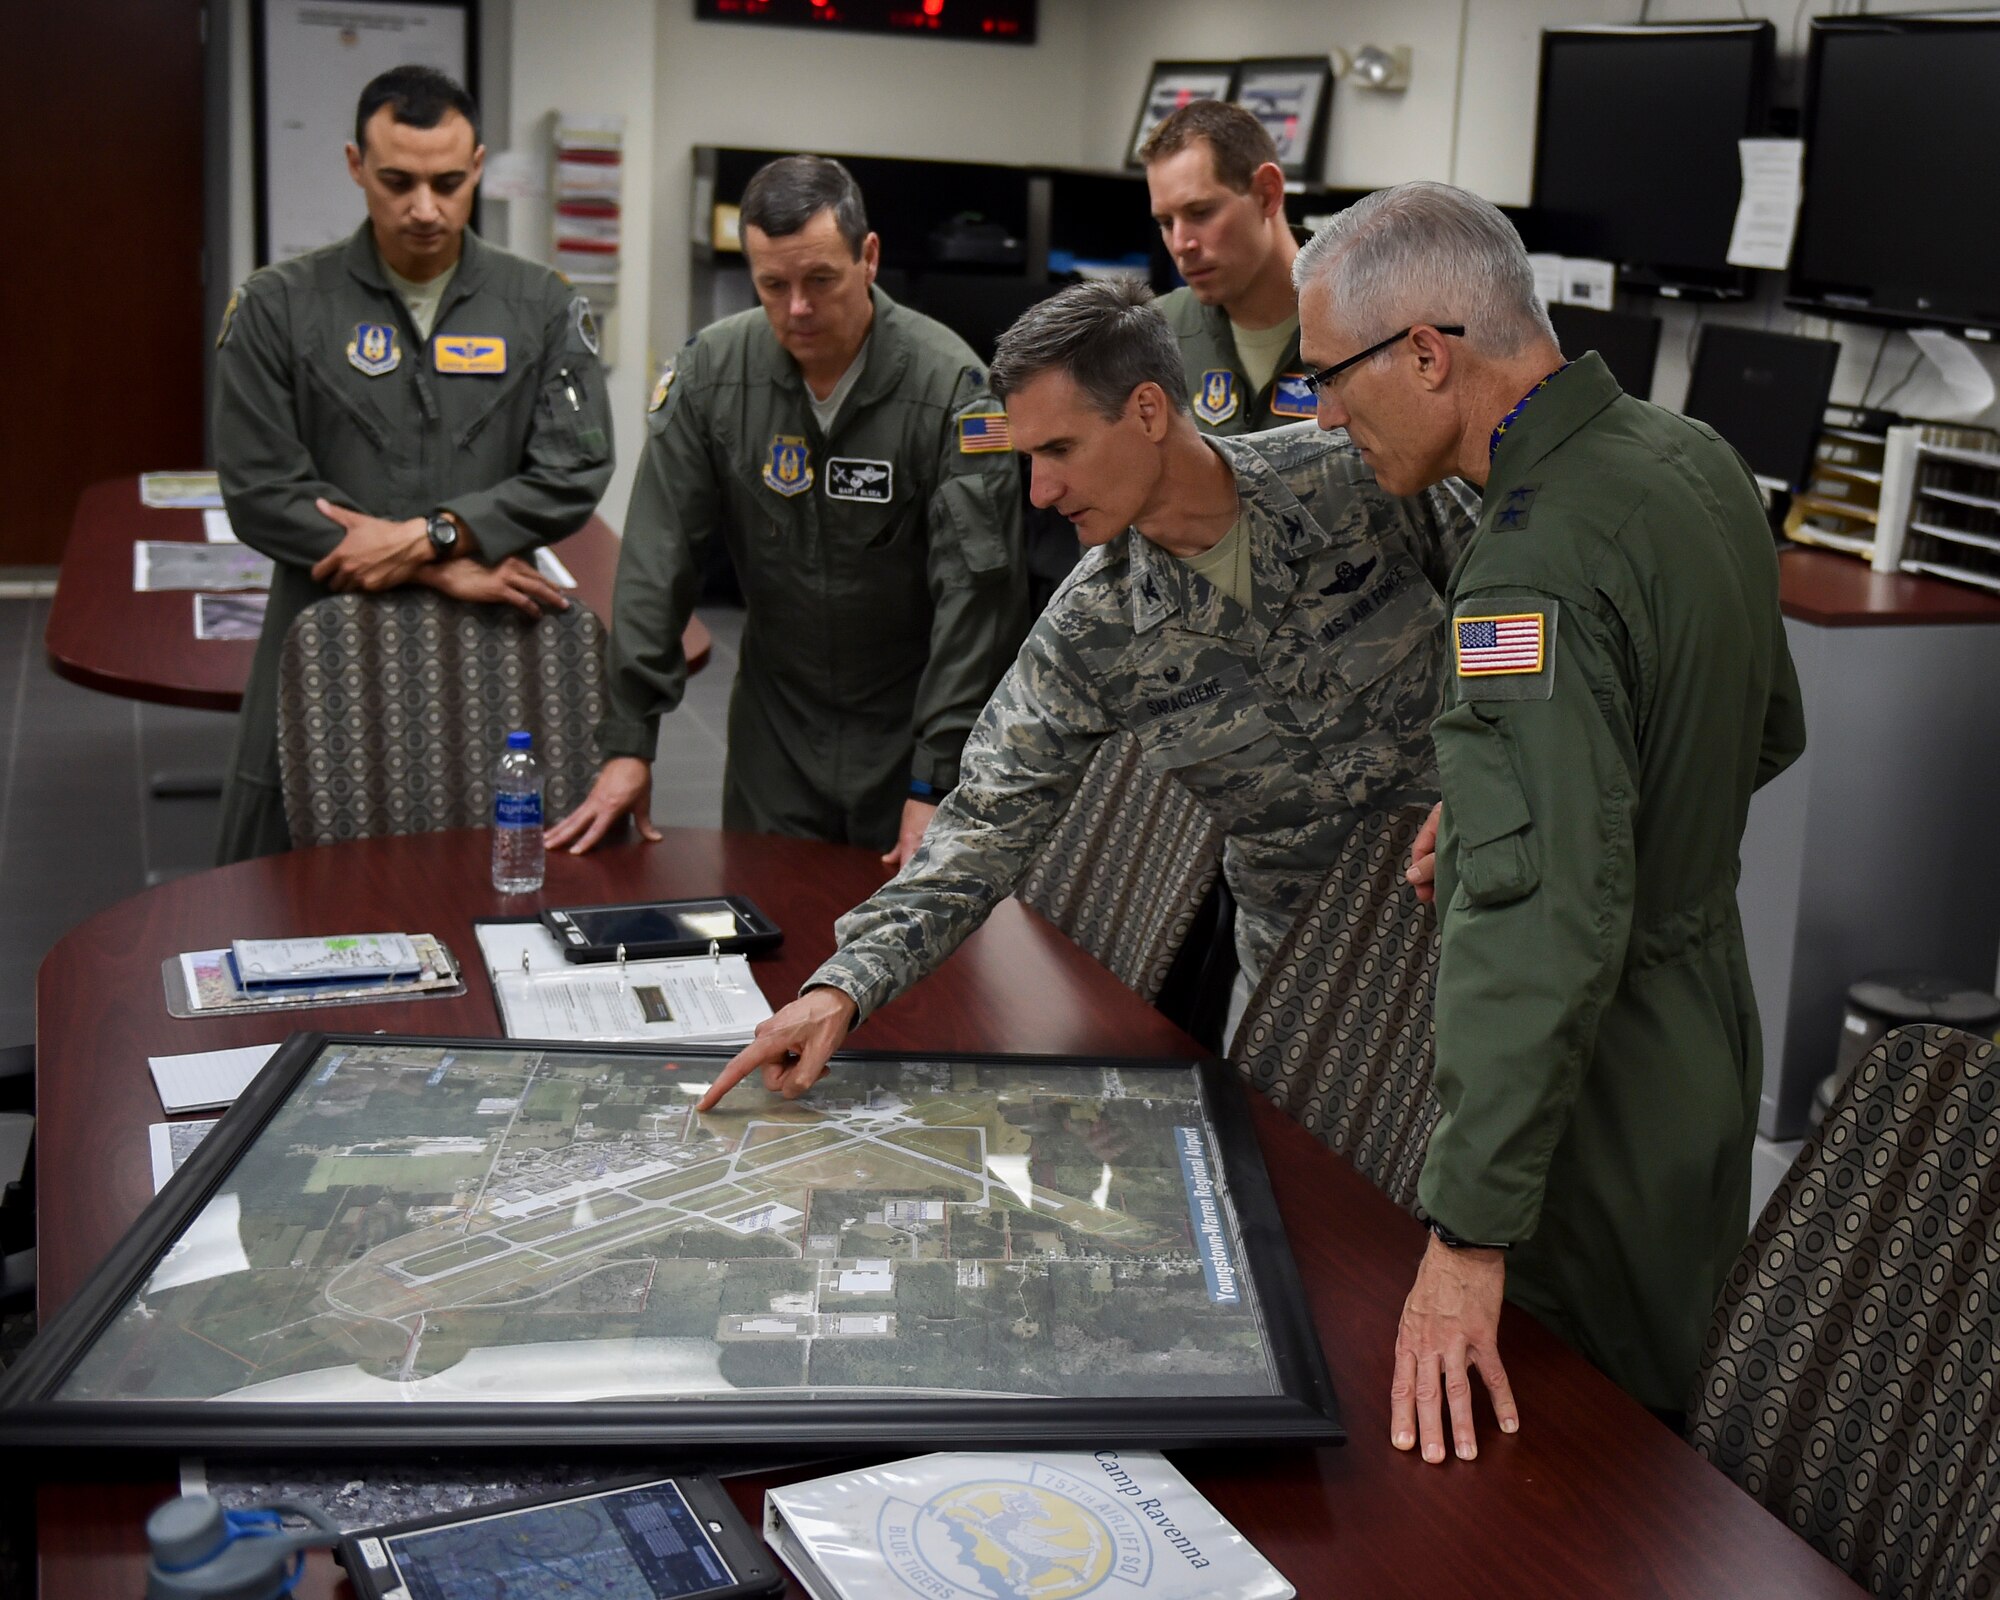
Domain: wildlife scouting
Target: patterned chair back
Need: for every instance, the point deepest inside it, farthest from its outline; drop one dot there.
(393, 709)
(1128, 866)
(1849, 1377)
(1338, 1035)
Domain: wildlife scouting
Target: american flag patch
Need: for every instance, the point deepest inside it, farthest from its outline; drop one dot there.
(979, 435)
(1488, 646)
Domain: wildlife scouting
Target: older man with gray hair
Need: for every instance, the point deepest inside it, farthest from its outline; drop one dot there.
(1619, 684)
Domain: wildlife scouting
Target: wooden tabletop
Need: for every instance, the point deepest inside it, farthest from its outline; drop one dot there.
(104, 634)
(1593, 1497)
(1840, 591)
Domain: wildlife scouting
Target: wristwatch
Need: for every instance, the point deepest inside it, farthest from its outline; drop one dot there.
(1452, 1241)
(443, 534)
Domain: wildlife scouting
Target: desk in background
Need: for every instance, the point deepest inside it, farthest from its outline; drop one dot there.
(105, 635)
(1592, 1498)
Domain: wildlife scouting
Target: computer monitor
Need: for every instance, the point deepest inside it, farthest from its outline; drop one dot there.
(1629, 341)
(1766, 394)
(977, 306)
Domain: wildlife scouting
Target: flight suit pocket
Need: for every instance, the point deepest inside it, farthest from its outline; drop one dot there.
(1488, 808)
(1209, 719)
(1371, 636)
(978, 517)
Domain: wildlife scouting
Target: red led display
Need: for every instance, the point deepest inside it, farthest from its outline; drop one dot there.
(1007, 21)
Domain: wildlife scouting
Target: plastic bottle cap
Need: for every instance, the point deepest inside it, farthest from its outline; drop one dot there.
(520, 741)
(186, 1531)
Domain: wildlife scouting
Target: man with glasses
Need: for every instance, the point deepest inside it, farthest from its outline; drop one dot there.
(1290, 685)
(1619, 684)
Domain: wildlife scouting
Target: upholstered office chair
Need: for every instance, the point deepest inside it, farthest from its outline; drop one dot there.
(393, 709)
(1848, 1380)
(1338, 1034)
(1128, 867)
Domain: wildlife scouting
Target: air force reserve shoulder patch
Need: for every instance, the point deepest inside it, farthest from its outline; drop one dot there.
(1215, 396)
(849, 478)
(586, 324)
(789, 470)
(471, 354)
(228, 318)
(1292, 396)
(1503, 647)
(373, 349)
(662, 389)
(985, 434)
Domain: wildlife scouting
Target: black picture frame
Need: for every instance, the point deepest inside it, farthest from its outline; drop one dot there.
(1270, 87)
(1301, 1410)
(1165, 85)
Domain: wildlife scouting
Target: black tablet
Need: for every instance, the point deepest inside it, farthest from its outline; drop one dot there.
(663, 928)
(638, 1539)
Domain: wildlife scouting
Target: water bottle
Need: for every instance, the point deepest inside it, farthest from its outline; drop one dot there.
(517, 818)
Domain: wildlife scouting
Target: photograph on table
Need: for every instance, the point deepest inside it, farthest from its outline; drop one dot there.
(421, 1244)
(1172, 85)
(1290, 95)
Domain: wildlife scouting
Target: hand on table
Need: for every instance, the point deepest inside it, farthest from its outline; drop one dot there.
(917, 816)
(1450, 1328)
(624, 786)
(513, 582)
(374, 554)
(1422, 872)
(792, 1047)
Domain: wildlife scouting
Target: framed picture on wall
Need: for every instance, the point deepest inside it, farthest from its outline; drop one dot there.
(431, 1244)
(1290, 96)
(1172, 85)
(309, 63)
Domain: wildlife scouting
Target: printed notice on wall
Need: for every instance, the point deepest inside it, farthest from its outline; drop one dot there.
(1767, 213)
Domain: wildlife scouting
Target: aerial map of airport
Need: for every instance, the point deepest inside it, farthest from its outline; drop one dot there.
(421, 1222)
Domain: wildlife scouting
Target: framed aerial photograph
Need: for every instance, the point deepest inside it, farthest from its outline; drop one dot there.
(428, 1244)
(1172, 85)
(1290, 95)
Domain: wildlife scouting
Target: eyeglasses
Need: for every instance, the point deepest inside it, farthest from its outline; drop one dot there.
(1316, 381)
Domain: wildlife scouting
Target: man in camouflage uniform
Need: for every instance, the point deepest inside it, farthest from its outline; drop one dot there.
(1218, 197)
(849, 453)
(1257, 612)
(410, 406)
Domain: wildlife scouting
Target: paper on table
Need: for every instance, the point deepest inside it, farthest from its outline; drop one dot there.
(697, 999)
(172, 1143)
(1767, 211)
(1965, 376)
(230, 616)
(162, 564)
(206, 1080)
(551, 568)
(168, 490)
(215, 525)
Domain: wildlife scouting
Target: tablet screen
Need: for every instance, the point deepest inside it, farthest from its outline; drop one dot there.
(642, 1543)
(692, 920)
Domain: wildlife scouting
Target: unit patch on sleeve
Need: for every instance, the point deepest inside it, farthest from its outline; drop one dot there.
(1503, 648)
(373, 349)
(1215, 396)
(849, 478)
(228, 318)
(789, 470)
(1292, 396)
(586, 324)
(472, 354)
(984, 435)
(661, 388)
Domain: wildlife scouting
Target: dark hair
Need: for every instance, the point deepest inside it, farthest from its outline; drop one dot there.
(1107, 336)
(417, 97)
(1237, 142)
(788, 193)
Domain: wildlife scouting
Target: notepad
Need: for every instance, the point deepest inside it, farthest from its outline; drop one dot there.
(207, 1080)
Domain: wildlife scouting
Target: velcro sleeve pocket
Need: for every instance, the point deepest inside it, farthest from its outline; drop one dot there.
(1479, 772)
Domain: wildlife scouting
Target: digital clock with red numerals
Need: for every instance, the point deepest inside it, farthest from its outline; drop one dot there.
(1003, 21)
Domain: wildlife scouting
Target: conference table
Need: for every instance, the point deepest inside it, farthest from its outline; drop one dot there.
(1592, 1497)
(106, 635)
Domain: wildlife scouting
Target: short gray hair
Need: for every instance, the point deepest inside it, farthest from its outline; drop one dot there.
(1108, 337)
(1427, 252)
(786, 194)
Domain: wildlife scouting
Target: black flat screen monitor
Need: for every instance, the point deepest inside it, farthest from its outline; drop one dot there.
(1629, 341)
(1766, 394)
(1635, 147)
(1902, 170)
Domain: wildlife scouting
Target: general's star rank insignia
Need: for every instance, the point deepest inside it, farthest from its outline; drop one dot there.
(1215, 396)
(788, 472)
(373, 349)
(1292, 396)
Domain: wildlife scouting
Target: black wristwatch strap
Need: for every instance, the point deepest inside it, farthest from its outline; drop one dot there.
(1452, 1241)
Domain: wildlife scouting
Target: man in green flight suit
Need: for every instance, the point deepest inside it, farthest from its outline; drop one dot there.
(1620, 684)
(850, 454)
(1218, 197)
(408, 406)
